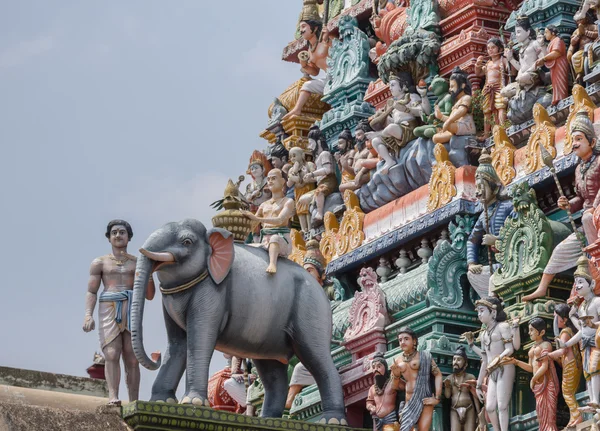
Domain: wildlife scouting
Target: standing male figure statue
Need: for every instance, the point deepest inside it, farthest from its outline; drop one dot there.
(416, 368)
(464, 403)
(116, 271)
(381, 400)
(497, 346)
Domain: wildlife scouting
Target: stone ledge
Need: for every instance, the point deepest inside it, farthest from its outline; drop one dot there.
(53, 382)
(150, 416)
(17, 417)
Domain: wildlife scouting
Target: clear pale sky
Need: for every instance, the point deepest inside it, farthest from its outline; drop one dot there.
(138, 110)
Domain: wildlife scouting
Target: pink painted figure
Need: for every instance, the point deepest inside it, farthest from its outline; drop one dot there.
(556, 61)
(116, 272)
(544, 382)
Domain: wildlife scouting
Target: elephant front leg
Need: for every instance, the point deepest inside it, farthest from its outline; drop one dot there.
(201, 342)
(173, 366)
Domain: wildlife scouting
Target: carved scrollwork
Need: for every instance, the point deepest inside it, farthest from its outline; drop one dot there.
(542, 134)
(581, 101)
(329, 237)
(448, 264)
(298, 247)
(503, 155)
(441, 183)
(525, 241)
(350, 234)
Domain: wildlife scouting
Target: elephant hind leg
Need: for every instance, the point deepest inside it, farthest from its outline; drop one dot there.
(274, 378)
(316, 357)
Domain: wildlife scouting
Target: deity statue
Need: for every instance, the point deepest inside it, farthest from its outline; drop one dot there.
(529, 53)
(487, 228)
(570, 360)
(416, 368)
(314, 60)
(585, 34)
(299, 169)
(460, 121)
(365, 157)
(544, 382)
(381, 400)
(439, 87)
(323, 175)
(257, 191)
(345, 157)
(275, 215)
(464, 402)
(116, 271)
(587, 198)
(527, 90)
(498, 342)
(496, 71)
(396, 121)
(585, 317)
(556, 60)
(279, 158)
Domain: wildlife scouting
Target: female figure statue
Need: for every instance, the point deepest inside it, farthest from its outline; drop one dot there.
(544, 382)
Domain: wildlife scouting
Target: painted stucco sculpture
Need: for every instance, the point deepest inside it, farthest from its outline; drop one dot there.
(381, 401)
(205, 267)
(497, 207)
(465, 405)
(274, 215)
(587, 189)
(116, 272)
(421, 373)
(498, 343)
(527, 89)
(495, 70)
(544, 382)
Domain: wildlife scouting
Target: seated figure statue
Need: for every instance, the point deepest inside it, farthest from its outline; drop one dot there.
(460, 121)
(527, 90)
(396, 121)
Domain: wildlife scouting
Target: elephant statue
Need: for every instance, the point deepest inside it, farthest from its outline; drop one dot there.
(216, 294)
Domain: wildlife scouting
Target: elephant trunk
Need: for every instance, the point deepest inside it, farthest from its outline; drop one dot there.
(143, 272)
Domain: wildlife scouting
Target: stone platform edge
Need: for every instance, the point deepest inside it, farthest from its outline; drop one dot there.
(146, 415)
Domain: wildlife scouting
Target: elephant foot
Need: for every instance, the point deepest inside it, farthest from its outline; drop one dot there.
(164, 397)
(334, 421)
(195, 400)
(168, 401)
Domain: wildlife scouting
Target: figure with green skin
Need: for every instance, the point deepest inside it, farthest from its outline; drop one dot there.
(439, 87)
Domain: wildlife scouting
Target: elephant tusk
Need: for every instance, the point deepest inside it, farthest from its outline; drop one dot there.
(164, 256)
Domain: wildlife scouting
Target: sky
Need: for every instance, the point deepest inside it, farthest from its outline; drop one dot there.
(138, 109)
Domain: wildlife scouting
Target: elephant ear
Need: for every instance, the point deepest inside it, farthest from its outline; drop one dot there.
(221, 253)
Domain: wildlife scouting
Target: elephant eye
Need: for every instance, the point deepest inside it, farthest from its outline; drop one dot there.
(187, 242)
